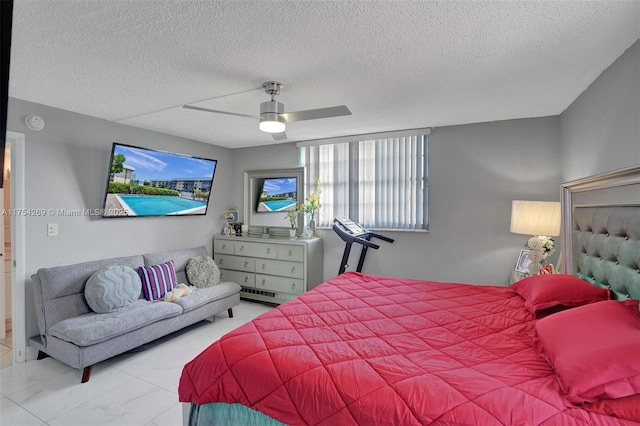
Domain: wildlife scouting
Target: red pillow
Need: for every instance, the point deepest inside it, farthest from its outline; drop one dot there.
(594, 349)
(623, 408)
(544, 291)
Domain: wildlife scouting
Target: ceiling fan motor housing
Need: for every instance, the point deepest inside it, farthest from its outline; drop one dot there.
(270, 119)
(271, 110)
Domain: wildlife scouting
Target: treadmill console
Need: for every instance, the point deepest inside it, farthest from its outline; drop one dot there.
(349, 226)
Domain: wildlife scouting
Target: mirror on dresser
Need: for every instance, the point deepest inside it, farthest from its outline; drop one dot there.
(259, 216)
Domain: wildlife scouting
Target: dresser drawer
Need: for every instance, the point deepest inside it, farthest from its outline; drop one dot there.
(222, 246)
(238, 263)
(263, 250)
(279, 284)
(295, 253)
(245, 279)
(280, 267)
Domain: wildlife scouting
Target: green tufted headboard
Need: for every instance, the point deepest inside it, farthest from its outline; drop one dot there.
(601, 230)
(606, 248)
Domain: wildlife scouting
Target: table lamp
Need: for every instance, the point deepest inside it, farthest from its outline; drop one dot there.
(537, 218)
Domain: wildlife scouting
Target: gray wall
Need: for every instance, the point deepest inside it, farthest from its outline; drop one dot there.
(66, 168)
(474, 173)
(601, 129)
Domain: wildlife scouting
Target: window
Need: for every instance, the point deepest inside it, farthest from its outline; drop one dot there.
(379, 181)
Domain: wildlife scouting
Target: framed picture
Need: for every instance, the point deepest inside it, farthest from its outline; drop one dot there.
(232, 215)
(523, 261)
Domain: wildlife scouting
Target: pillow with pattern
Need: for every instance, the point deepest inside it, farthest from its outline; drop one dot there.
(157, 280)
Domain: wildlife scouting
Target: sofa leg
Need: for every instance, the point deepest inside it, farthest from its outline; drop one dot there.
(230, 311)
(86, 373)
(41, 355)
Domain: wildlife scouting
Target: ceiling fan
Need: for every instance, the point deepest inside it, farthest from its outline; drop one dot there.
(272, 116)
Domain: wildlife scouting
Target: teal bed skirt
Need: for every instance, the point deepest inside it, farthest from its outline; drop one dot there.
(220, 413)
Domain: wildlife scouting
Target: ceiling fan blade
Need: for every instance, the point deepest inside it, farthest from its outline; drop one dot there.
(313, 114)
(219, 112)
(279, 136)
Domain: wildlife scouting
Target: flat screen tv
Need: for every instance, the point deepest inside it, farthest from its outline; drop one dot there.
(148, 182)
(277, 194)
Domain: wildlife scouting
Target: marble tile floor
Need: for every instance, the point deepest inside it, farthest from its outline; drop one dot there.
(139, 387)
(5, 351)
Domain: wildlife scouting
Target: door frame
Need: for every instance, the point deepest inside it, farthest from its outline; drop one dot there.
(18, 279)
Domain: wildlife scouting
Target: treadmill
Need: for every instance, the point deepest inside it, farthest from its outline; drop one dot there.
(351, 232)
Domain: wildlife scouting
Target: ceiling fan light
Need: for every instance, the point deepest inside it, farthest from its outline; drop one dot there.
(271, 123)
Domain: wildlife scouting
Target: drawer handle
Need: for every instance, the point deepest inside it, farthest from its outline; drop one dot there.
(264, 266)
(263, 281)
(290, 253)
(246, 263)
(221, 261)
(241, 248)
(293, 286)
(246, 279)
(293, 270)
(224, 246)
(268, 250)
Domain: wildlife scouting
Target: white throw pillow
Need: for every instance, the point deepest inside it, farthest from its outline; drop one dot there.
(112, 288)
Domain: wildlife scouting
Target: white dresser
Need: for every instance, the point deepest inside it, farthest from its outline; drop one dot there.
(272, 270)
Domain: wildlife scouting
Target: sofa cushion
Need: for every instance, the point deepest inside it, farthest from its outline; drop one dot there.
(202, 271)
(92, 328)
(112, 288)
(180, 259)
(202, 296)
(157, 280)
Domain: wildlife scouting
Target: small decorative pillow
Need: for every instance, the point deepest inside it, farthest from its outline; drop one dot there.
(546, 291)
(112, 288)
(594, 350)
(157, 280)
(202, 271)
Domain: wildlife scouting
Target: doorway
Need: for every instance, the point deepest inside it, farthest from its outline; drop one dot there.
(6, 341)
(13, 248)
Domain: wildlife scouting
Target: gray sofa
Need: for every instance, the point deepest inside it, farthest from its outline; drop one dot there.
(75, 335)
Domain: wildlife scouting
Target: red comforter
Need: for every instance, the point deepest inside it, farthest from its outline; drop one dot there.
(363, 349)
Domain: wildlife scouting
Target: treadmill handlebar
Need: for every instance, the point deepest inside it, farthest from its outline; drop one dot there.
(381, 237)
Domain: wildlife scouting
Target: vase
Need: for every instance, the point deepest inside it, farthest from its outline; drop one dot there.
(292, 233)
(312, 226)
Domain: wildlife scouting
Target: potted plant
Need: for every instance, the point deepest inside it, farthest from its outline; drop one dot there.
(292, 215)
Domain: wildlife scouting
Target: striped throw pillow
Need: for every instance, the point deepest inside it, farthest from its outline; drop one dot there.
(157, 280)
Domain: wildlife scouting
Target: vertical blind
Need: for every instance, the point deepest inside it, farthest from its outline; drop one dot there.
(379, 183)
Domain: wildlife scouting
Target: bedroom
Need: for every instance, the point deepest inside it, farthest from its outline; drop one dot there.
(473, 167)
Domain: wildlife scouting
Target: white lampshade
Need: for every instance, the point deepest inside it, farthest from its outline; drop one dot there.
(272, 123)
(535, 218)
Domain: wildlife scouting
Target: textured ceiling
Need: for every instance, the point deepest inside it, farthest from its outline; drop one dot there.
(395, 64)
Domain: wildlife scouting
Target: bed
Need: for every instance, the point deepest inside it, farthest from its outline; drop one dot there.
(363, 349)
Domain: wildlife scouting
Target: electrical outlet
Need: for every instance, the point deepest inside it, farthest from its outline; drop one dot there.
(52, 229)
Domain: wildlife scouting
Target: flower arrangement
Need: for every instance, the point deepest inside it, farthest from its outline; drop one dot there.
(547, 246)
(312, 204)
(292, 215)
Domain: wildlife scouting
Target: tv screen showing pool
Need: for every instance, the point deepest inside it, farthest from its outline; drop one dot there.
(148, 182)
(278, 195)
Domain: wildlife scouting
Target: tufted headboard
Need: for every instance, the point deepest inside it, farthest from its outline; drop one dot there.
(601, 231)
(606, 248)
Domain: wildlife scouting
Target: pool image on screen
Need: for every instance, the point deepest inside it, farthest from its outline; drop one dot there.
(146, 182)
(278, 195)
